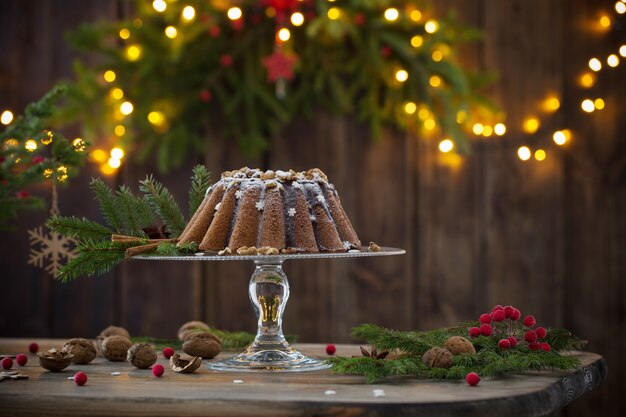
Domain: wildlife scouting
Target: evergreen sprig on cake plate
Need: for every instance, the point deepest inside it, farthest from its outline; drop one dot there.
(504, 344)
(151, 221)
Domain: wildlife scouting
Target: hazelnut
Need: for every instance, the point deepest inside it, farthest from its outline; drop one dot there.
(141, 355)
(374, 247)
(115, 331)
(82, 349)
(458, 345)
(193, 326)
(184, 366)
(55, 361)
(205, 345)
(437, 357)
(114, 348)
(268, 175)
(289, 251)
(268, 250)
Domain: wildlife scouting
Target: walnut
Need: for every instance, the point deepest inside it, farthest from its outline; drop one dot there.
(310, 174)
(268, 175)
(225, 251)
(82, 349)
(459, 344)
(268, 250)
(141, 355)
(271, 184)
(193, 326)
(205, 345)
(114, 348)
(374, 247)
(55, 361)
(184, 366)
(115, 331)
(437, 357)
(245, 250)
(289, 251)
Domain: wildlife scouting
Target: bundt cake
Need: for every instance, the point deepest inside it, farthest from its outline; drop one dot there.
(279, 211)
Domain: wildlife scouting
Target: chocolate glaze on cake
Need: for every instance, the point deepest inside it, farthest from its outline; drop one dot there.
(288, 211)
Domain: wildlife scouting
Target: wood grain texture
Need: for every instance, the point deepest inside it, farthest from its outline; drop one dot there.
(137, 393)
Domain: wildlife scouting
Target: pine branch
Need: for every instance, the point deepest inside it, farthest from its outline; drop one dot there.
(109, 206)
(387, 339)
(171, 249)
(562, 339)
(94, 258)
(83, 229)
(162, 201)
(136, 211)
(200, 182)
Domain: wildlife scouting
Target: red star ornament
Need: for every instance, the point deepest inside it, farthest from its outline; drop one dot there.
(279, 65)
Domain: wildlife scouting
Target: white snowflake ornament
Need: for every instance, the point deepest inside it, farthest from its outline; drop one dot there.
(50, 250)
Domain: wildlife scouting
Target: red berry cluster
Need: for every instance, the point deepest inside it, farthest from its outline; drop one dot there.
(504, 324)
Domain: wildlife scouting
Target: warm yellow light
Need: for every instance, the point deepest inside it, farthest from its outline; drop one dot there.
(171, 32)
(446, 145)
(595, 64)
(270, 12)
(551, 104)
(79, 144)
(587, 105)
(437, 56)
(124, 33)
(30, 145)
(559, 137)
(461, 116)
(478, 128)
(106, 169)
(613, 60)
(117, 93)
(402, 75)
(622, 50)
(430, 124)
(499, 129)
(133, 52)
(410, 107)
(159, 5)
(620, 7)
(392, 14)
(117, 153)
(189, 13)
(297, 19)
(531, 124)
(98, 155)
(423, 114)
(598, 104)
(6, 117)
(114, 163)
(334, 13)
(284, 34)
(487, 131)
(417, 41)
(119, 130)
(415, 15)
(156, 118)
(62, 169)
(47, 139)
(126, 108)
(234, 13)
(431, 26)
(47, 173)
(524, 153)
(605, 21)
(435, 81)
(10, 143)
(109, 76)
(540, 154)
(587, 80)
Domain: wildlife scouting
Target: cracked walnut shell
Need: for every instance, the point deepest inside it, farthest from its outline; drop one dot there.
(83, 350)
(190, 327)
(55, 361)
(115, 348)
(205, 345)
(437, 357)
(458, 345)
(141, 355)
(184, 366)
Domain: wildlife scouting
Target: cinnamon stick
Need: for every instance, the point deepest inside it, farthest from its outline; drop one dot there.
(138, 250)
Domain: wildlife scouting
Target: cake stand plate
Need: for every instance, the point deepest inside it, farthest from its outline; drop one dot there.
(269, 291)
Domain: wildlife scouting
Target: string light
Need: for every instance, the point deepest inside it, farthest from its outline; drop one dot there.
(133, 52)
(531, 124)
(106, 169)
(561, 137)
(109, 76)
(487, 131)
(612, 60)
(333, 13)
(423, 114)
(605, 21)
(415, 15)
(283, 35)
(126, 108)
(587, 105)
(595, 64)
(622, 50)
(499, 129)
(10, 143)
(30, 145)
(157, 118)
(446, 145)
(297, 19)
(540, 154)
(234, 13)
(171, 32)
(117, 153)
(402, 75)
(435, 81)
(430, 124)
(114, 163)
(551, 104)
(189, 13)
(98, 155)
(431, 26)
(478, 128)
(417, 41)
(410, 107)
(524, 153)
(598, 104)
(79, 145)
(620, 7)
(391, 14)
(119, 130)
(124, 34)
(47, 173)
(461, 116)
(437, 55)
(47, 139)
(6, 118)
(587, 80)
(117, 93)
(159, 5)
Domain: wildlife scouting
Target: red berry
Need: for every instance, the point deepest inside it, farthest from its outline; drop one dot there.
(33, 348)
(80, 378)
(168, 352)
(485, 318)
(237, 24)
(529, 321)
(21, 359)
(474, 332)
(508, 311)
(533, 346)
(38, 159)
(359, 19)
(226, 60)
(214, 31)
(513, 341)
(386, 51)
(516, 314)
(541, 332)
(331, 349)
(504, 344)
(530, 336)
(485, 329)
(498, 315)
(545, 346)
(22, 194)
(205, 95)
(498, 307)
(157, 370)
(472, 378)
(7, 363)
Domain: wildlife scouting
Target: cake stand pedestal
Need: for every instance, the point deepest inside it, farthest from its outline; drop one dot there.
(269, 292)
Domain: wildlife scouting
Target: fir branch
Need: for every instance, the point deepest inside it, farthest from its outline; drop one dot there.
(562, 339)
(83, 229)
(162, 201)
(109, 206)
(387, 339)
(94, 258)
(200, 182)
(136, 211)
(171, 249)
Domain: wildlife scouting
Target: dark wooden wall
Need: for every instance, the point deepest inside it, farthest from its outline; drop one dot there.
(549, 237)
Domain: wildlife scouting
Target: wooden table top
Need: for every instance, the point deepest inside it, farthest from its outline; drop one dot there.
(136, 392)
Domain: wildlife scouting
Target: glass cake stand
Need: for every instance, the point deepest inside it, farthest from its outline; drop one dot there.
(269, 292)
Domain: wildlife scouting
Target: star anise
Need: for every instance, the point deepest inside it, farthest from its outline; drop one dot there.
(374, 353)
(154, 232)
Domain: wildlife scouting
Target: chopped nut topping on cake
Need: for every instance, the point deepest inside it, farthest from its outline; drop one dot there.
(225, 251)
(245, 250)
(374, 247)
(268, 250)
